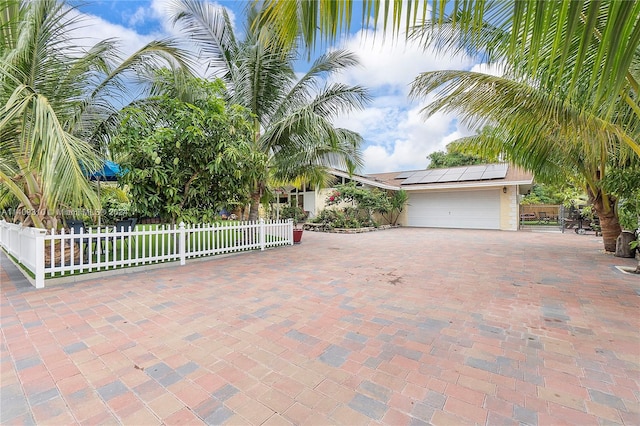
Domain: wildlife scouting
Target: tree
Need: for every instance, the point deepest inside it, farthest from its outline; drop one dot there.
(453, 157)
(54, 98)
(186, 161)
(624, 184)
(548, 120)
(565, 194)
(292, 116)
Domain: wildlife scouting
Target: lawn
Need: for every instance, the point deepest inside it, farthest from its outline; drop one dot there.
(152, 243)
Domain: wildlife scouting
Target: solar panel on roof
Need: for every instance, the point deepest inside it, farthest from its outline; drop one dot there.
(415, 178)
(451, 177)
(497, 171)
(429, 179)
(480, 168)
(438, 172)
(458, 174)
(471, 176)
(405, 175)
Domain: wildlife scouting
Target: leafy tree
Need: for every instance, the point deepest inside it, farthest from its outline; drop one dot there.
(186, 160)
(369, 201)
(453, 157)
(563, 194)
(292, 116)
(55, 97)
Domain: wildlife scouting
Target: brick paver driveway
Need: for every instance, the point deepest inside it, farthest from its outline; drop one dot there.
(405, 326)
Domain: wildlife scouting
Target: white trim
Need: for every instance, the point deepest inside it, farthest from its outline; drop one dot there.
(364, 180)
(458, 185)
(422, 187)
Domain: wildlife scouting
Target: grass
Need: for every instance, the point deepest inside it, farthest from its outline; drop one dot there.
(131, 248)
(540, 222)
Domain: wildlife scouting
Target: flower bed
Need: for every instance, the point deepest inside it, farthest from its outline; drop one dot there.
(349, 230)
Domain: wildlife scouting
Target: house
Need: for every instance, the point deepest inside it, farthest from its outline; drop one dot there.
(471, 197)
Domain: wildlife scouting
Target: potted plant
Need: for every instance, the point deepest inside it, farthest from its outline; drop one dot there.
(298, 216)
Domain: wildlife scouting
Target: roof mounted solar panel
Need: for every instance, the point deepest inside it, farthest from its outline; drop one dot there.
(415, 178)
(437, 172)
(429, 179)
(467, 176)
(479, 168)
(451, 176)
(497, 171)
(405, 175)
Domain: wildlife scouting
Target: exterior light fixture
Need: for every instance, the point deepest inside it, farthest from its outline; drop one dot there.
(504, 189)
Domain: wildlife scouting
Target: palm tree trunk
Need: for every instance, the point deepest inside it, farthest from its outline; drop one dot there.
(608, 218)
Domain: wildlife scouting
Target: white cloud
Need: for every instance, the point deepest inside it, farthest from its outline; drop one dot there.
(95, 29)
(397, 136)
(139, 17)
(406, 145)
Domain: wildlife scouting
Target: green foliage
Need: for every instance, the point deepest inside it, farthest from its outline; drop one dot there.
(625, 184)
(293, 114)
(56, 100)
(187, 160)
(368, 201)
(553, 194)
(346, 218)
(365, 203)
(453, 157)
(294, 212)
(398, 200)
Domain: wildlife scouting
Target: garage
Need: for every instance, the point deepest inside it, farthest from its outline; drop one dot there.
(477, 209)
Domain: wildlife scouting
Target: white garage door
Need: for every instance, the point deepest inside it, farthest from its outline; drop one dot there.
(459, 209)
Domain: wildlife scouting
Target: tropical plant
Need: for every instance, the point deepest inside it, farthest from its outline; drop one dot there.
(295, 213)
(368, 201)
(55, 97)
(398, 201)
(292, 116)
(555, 38)
(185, 161)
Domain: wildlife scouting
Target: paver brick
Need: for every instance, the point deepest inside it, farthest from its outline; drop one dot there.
(368, 406)
(328, 333)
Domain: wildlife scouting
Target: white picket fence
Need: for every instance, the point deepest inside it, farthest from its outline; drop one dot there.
(48, 254)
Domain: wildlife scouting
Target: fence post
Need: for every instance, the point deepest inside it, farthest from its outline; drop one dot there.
(290, 223)
(262, 234)
(182, 244)
(39, 260)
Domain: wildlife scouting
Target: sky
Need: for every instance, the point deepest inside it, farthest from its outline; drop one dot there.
(396, 135)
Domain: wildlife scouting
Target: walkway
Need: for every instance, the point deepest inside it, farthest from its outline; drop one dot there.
(399, 327)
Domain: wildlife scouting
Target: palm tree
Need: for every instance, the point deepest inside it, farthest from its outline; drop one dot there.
(550, 118)
(557, 140)
(55, 99)
(292, 116)
(559, 33)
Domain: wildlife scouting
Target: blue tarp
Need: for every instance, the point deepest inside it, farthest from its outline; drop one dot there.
(109, 171)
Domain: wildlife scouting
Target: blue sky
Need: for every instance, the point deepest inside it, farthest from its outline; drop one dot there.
(397, 137)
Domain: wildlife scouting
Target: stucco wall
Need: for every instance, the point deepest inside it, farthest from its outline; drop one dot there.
(509, 209)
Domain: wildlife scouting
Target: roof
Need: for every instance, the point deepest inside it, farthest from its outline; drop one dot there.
(498, 174)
